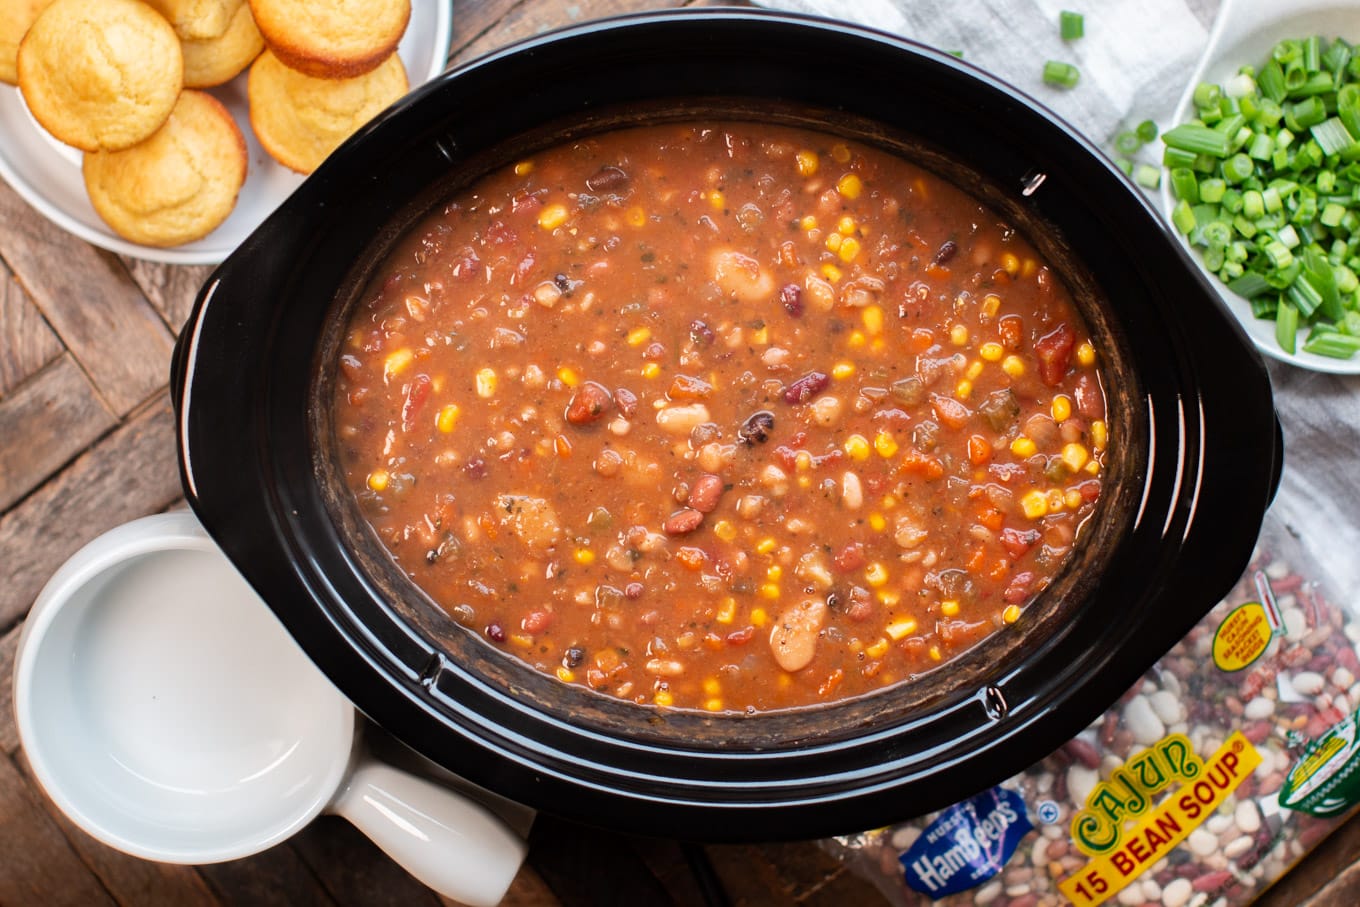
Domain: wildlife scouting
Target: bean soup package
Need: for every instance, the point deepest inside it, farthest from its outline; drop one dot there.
(1233, 757)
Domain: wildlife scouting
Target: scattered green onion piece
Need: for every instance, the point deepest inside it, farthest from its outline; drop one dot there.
(1183, 217)
(1061, 75)
(1185, 185)
(1211, 191)
(1237, 168)
(1125, 165)
(1177, 157)
(1071, 25)
(1147, 175)
(1127, 143)
(1270, 81)
(1146, 131)
(1207, 95)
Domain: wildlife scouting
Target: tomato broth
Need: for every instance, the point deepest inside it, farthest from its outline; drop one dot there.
(722, 416)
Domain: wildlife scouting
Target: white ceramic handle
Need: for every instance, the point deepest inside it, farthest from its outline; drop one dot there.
(443, 839)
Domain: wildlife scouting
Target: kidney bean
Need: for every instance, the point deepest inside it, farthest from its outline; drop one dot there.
(707, 490)
(700, 333)
(682, 522)
(608, 179)
(590, 402)
(791, 296)
(633, 591)
(741, 637)
(806, 387)
(495, 632)
(536, 621)
(849, 558)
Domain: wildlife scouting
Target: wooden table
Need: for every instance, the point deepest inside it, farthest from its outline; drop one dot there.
(87, 443)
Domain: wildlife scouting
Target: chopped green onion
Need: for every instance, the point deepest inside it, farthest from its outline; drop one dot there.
(1198, 138)
(1237, 168)
(1333, 344)
(1062, 75)
(1207, 95)
(1127, 143)
(1146, 131)
(1286, 326)
(1071, 25)
(1147, 176)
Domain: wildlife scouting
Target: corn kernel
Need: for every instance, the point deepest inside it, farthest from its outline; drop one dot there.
(949, 608)
(878, 649)
(396, 362)
(885, 444)
(1029, 268)
(807, 162)
(856, 340)
(1086, 354)
(1013, 366)
(872, 316)
(1024, 447)
(1011, 614)
(843, 370)
(889, 502)
(1034, 504)
(840, 153)
(766, 545)
(964, 389)
(565, 675)
(639, 336)
(1073, 499)
(802, 461)
(877, 522)
(1075, 456)
(1056, 500)
(846, 226)
(991, 351)
(711, 686)
(808, 222)
(1099, 435)
(774, 573)
(378, 479)
(900, 628)
(686, 641)
(855, 646)
(760, 336)
(934, 653)
(584, 556)
(758, 617)
(521, 640)
(991, 304)
(875, 574)
(486, 382)
(833, 241)
(849, 249)
(1010, 263)
(974, 370)
(724, 530)
(524, 168)
(663, 698)
(728, 612)
(1061, 408)
(635, 216)
(651, 370)
(857, 447)
(447, 418)
(552, 216)
(850, 186)
(568, 376)
(958, 334)
(769, 590)
(831, 272)
(889, 598)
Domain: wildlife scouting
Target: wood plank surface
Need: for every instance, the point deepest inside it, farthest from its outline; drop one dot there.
(9, 734)
(38, 865)
(171, 289)
(26, 342)
(132, 472)
(90, 301)
(58, 414)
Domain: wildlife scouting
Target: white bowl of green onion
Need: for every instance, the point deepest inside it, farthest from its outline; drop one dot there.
(1263, 175)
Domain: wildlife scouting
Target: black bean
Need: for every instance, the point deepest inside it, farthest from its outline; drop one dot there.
(946, 251)
(757, 427)
(575, 655)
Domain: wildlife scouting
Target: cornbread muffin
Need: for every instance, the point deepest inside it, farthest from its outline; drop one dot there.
(100, 74)
(198, 20)
(213, 61)
(179, 184)
(300, 119)
(332, 39)
(15, 18)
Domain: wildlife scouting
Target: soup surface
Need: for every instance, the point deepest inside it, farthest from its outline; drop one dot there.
(722, 416)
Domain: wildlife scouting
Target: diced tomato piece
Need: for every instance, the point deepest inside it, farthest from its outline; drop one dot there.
(851, 557)
(1018, 541)
(417, 392)
(1054, 350)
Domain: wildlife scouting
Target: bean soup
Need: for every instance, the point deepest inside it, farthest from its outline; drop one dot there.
(722, 416)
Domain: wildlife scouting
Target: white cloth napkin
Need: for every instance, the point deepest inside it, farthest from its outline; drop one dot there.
(1135, 59)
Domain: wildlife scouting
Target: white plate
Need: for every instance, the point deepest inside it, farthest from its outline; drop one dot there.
(1244, 33)
(46, 173)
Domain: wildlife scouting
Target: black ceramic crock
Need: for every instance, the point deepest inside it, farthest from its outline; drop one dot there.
(1190, 409)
